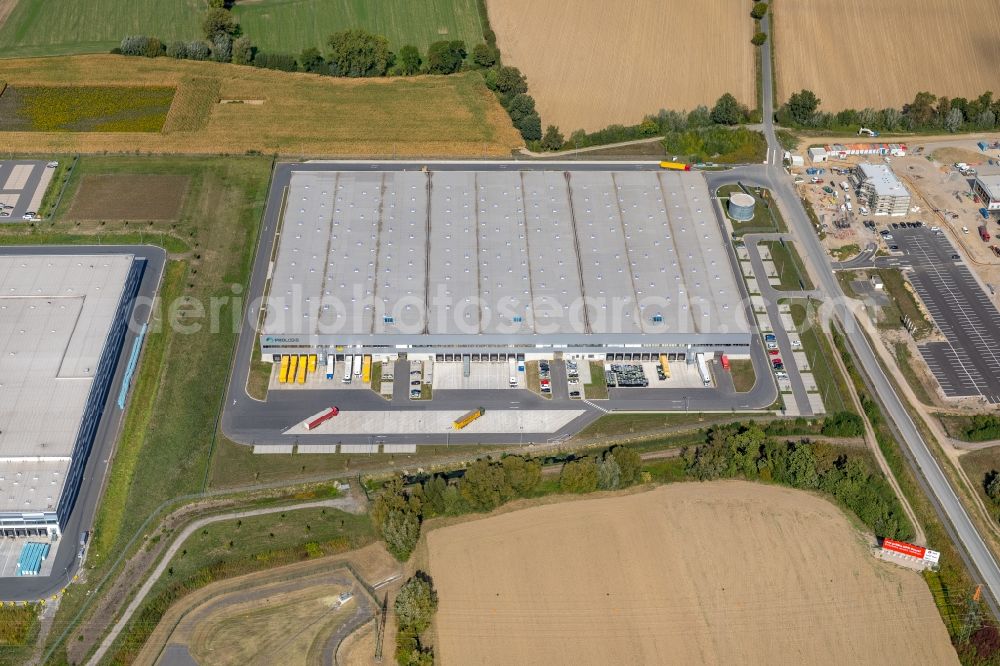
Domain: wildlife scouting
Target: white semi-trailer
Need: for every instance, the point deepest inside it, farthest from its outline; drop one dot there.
(706, 375)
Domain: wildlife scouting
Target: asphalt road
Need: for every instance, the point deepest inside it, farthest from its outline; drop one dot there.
(26, 193)
(249, 421)
(771, 298)
(82, 516)
(974, 550)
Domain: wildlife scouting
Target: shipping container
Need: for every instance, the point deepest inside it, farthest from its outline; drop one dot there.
(300, 376)
(468, 418)
(323, 417)
(283, 372)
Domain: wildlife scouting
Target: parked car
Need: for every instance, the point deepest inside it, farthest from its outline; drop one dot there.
(773, 352)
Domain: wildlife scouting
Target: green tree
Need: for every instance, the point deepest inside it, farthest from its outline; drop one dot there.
(609, 474)
(521, 105)
(507, 81)
(553, 138)
(218, 4)
(759, 10)
(484, 55)
(922, 109)
(408, 61)
(445, 57)
(242, 51)
(401, 530)
(992, 485)
(484, 485)
(416, 603)
(530, 127)
(154, 48)
(727, 111)
(222, 47)
(392, 497)
(758, 38)
(801, 106)
(177, 50)
(843, 424)
(522, 474)
(802, 467)
(219, 21)
(579, 476)
(357, 53)
(311, 60)
(629, 462)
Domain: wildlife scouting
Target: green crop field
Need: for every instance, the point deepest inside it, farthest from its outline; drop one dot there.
(84, 108)
(57, 27)
(291, 25)
(60, 27)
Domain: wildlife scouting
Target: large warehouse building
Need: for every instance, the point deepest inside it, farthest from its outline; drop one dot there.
(490, 264)
(62, 322)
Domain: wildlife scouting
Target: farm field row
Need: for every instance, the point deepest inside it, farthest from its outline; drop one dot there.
(762, 574)
(58, 27)
(229, 109)
(589, 66)
(857, 54)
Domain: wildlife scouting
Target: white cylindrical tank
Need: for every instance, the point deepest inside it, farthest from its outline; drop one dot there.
(741, 206)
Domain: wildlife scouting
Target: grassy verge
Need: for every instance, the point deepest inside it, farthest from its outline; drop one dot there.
(612, 425)
(743, 374)
(597, 389)
(260, 374)
(845, 252)
(18, 630)
(951, 585)
(236, 547)
(789, 265)
(56, 187)
(905, 304)
(971, 428)
(831, 384)
(906, 363)
(980, 466)
(766, 219)
(717, 144)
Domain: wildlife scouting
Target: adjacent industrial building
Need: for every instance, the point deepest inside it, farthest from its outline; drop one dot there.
(63, 319)
(880, 190)
(488, 265)
(987, 188)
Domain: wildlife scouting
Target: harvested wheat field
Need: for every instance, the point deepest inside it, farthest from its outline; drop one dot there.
(221, 108)
(722, 572)
(593, 63)
(857, 54)
(129, 196)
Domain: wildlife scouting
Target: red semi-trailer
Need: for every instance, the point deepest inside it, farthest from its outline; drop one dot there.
(322, 418)
(983, 233)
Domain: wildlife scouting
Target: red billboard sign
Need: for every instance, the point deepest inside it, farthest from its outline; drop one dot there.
(904, 548)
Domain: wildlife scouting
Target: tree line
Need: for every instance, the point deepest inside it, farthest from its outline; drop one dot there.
(745, 451)
(415, 606)
(927, 112)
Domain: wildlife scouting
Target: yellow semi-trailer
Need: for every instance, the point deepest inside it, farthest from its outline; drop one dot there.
(675, 166)
(312, 363)
(366, 369)
(283, 372)
(665, 365)
(303, 365)
(469, 418)
(293, 366)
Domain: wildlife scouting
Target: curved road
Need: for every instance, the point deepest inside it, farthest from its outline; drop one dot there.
(343, 503)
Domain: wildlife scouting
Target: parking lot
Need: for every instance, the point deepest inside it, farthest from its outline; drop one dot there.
(967, 362)
(22, 186)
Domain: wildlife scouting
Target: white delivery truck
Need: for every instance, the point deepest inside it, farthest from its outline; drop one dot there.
(512, 367)
(358, 362)
(348, 360)
(329, 366)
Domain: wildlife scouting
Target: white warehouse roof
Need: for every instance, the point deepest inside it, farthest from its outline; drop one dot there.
(55, 315)
(522, 253)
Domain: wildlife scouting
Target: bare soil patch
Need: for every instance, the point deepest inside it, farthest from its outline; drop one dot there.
(591, 63)
(723, 572)
(129, 197)
(856, 54)
(6, 7)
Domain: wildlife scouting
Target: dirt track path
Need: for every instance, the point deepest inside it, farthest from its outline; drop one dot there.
(6, 7)
(350, 504)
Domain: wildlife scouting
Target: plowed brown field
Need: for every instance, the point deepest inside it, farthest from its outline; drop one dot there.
(857, 53)
(712, 573)
(592, 63)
